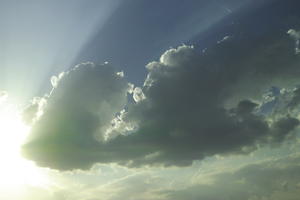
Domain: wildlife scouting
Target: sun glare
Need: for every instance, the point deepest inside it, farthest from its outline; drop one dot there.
(14, 170)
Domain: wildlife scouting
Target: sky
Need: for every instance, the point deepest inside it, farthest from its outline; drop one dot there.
(149, 100)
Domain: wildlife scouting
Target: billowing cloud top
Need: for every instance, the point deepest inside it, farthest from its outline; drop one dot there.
(191, 106)
(78, 111)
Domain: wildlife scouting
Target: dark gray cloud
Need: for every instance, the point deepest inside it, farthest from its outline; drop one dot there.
(191, 106)
(194, 104)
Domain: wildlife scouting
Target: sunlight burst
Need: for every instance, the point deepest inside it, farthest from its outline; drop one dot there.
(15, 170)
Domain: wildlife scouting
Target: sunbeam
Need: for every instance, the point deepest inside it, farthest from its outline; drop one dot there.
(149, 100)
(40, 38)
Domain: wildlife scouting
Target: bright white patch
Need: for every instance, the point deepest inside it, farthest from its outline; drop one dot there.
(121, 74)
(138, 94)
(15, 171)
(227, 37)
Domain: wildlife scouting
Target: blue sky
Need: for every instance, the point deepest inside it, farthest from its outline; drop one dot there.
(40, 39)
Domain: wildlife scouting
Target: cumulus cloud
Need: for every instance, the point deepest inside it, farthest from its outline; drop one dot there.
(77, 113)
(191, 106)
(194, 105)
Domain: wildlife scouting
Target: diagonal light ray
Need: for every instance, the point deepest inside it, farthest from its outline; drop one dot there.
(39, 38)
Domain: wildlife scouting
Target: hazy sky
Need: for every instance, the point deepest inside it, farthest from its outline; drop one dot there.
(150, 100)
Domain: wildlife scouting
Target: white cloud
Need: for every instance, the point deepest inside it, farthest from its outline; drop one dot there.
(296, 36)
(138, 94)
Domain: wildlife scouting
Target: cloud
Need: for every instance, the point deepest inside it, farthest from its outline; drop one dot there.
(194, 107)
(34, 110)
(77, 113)
(294, 102)
(227, 37)
(268, 180)
(140, 186)
(191, 106)
(296, 36)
